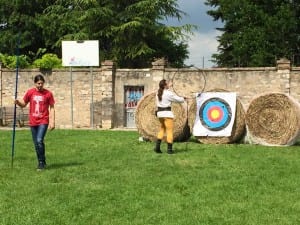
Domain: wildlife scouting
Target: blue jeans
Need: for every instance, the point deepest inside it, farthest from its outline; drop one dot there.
(38, 134)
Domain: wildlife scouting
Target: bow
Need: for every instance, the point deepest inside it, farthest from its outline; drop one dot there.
(198, 93)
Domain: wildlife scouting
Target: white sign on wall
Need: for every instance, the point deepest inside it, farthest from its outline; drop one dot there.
(80, 53)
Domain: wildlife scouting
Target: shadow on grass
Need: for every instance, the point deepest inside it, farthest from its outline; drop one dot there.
(180, 151)
(61, 165)
(182, 148)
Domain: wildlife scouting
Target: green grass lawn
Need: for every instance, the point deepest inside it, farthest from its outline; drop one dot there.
(109, 177)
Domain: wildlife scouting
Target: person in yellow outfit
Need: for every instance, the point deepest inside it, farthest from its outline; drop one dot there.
(164, 99)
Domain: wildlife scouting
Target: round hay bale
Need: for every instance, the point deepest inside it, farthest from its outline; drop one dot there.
(238, 129)
(148, 124)
(273, 119)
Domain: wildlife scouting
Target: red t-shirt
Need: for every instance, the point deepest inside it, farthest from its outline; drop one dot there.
(39, 105)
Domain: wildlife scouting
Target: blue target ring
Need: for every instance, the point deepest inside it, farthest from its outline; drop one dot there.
(215, 114)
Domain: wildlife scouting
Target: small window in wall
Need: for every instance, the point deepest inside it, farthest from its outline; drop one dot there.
(132, 95)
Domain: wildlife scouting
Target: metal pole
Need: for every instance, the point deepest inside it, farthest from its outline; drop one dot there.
(71, 83)
(15, 106)
(92, 98)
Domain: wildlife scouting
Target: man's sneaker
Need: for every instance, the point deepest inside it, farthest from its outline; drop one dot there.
(41, 166)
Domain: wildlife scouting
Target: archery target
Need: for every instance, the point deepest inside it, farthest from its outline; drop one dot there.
(215, 114)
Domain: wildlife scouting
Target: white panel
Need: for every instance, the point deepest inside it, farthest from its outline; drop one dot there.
(80, 53)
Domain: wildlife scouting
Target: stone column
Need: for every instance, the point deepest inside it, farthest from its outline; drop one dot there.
(284, 70)
(107, 87)
(158, 68)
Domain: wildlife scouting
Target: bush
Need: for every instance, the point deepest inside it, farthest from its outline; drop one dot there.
(10, 62)
(48, 61)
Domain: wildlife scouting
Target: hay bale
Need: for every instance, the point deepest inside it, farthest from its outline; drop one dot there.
(273, 119)
(148, 124)
(238, 129)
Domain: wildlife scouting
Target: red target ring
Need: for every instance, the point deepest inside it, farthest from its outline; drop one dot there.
(215, 114)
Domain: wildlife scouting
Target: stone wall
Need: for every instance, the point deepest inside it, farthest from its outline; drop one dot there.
(95, 97)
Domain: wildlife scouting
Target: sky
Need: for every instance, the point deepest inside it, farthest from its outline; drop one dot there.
(203, 43)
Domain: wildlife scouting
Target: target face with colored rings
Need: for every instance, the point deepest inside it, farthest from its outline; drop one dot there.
(215, 114)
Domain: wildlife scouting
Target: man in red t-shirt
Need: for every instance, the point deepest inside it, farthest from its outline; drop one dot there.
(41, 115)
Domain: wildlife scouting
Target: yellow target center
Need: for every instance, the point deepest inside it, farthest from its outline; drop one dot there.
(215, 114)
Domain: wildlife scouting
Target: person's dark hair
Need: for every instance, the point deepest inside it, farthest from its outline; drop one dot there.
(38, 78)
(162, 85)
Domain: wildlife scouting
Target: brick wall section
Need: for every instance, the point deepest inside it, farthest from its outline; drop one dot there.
(95, 97)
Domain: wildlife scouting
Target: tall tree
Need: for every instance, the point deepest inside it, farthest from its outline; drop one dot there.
(18, 22)
(256, 33)
(130, 32)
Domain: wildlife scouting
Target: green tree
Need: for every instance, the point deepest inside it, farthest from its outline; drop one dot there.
(256, 33)
(129, 32)
(18, 28)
